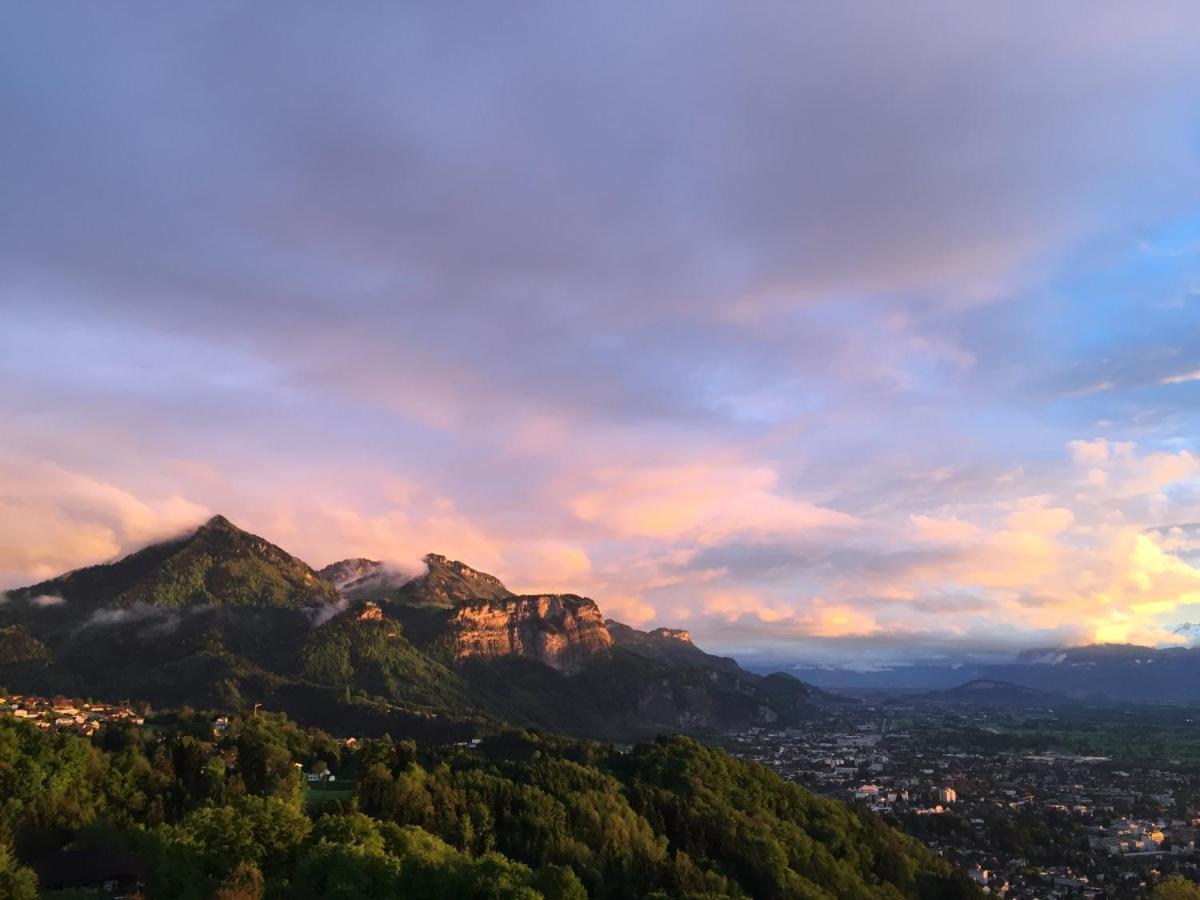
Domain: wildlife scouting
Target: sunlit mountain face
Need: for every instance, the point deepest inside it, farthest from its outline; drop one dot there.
(839, 345)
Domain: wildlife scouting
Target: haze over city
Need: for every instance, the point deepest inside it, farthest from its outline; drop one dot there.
(814, 332)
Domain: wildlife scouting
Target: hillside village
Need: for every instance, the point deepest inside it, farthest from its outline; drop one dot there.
(82, 717)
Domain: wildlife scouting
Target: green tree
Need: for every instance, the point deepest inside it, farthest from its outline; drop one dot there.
(1176, 887)
(245, 882)
(16, 881)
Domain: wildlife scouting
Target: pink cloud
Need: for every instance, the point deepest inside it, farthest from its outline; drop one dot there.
(706, 503)
(53, 519)
(945, 531)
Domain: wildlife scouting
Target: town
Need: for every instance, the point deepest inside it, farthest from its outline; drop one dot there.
(66, 714)
(1024, 825)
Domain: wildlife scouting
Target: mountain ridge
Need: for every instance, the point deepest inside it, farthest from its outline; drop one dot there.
(991, 692)
(224, 617)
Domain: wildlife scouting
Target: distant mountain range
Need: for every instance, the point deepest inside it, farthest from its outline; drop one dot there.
(1097, 673)
(221, 617)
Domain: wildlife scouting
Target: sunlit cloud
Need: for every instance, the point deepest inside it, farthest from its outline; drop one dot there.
(53, 519)
(1182, 378)
(909, 372)
(1090, 390)
(948, 531)
(703, 503)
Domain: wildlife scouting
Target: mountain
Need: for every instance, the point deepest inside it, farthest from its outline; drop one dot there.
(216, 618)
(552, 661)
(220, 603)
(1093, 673)
(444, 583)
(224, 618)
(345, 572)
(455, 612)
(1116, 672)
(218, 564)
(988, 692)
(671, 646)
(365, 579)
(448, 582)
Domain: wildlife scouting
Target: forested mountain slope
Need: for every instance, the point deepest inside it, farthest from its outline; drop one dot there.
(520, 817)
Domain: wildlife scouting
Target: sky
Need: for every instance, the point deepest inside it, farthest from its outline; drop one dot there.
(835, 333)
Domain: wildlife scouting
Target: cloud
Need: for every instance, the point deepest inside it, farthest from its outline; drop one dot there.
(1182, 378)
(1120, 469)
(1064, 566)
(410, 522)
(53, 519)
(138, 612)
(705, 503)
(44, 600)
(733, 606)
(1094, 452)
(945, 531)
(321, 615)
(1090, 390)
(688, 333)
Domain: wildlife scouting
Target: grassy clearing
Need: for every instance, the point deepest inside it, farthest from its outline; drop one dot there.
(323, 792)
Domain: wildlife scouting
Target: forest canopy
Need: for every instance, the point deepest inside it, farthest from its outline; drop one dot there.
(262, 809)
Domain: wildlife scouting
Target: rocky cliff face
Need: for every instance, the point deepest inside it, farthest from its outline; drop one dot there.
(563, 631)
(454, 607)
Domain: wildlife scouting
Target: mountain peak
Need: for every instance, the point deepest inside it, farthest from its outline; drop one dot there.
(448, 582)
(445, 582)
(218, 523)
(218, 564)
(345, 572)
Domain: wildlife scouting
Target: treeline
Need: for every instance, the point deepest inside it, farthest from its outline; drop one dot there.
(521, 816)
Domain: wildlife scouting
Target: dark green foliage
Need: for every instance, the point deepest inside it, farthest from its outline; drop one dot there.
(523, 817)
(18, 646)
(222, 565)
(775, 839)
(16, 881)
(355, 856)
(675, 816)
(364, 651)
(191, 858)
(1176, 887)
(628, 696)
